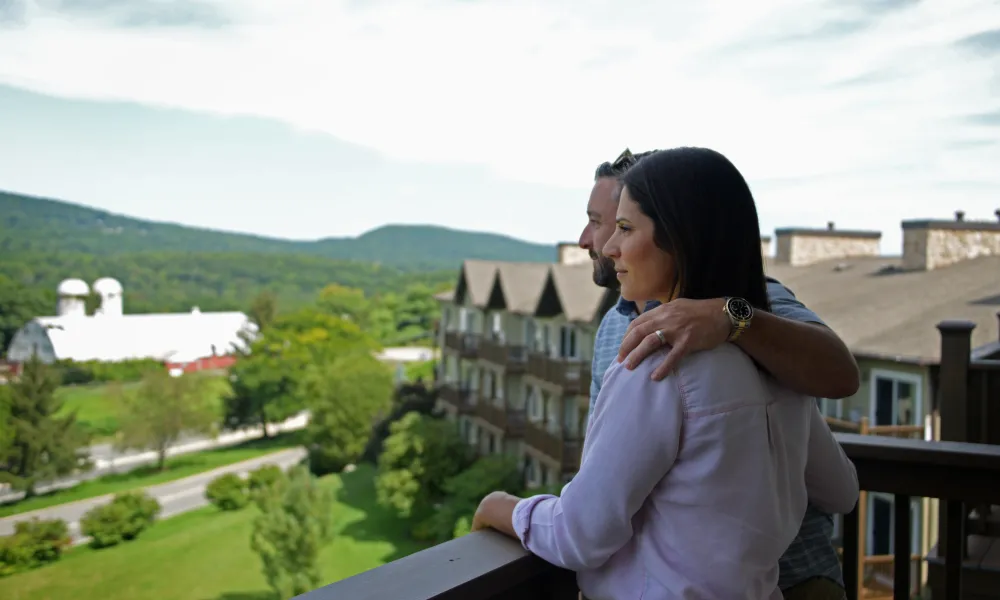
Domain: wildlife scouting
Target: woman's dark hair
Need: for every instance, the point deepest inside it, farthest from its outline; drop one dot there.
(706, 219)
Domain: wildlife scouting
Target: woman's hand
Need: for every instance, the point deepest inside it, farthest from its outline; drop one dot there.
(496, 511)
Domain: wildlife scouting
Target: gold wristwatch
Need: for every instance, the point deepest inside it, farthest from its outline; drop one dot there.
(740, 314)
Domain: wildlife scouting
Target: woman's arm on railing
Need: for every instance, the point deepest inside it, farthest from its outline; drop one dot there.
(633, 442)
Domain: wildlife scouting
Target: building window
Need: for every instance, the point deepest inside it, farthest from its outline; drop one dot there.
(567, 342)
(882, 525)
(895, 398)
(831, 408)
(535, 409)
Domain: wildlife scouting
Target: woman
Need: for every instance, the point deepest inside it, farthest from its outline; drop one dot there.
(694, 486)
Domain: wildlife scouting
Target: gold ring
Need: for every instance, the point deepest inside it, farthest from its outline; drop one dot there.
(659, 335)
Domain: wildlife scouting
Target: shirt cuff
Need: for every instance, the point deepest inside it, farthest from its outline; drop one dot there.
(521, 518)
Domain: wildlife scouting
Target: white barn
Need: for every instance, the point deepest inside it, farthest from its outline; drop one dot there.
(110, 335)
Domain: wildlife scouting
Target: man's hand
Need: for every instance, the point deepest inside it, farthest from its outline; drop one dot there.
(687, 326)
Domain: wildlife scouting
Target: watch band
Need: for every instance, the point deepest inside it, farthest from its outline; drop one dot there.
(738, 325)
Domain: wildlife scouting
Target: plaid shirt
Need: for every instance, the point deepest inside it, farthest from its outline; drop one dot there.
(811, 554)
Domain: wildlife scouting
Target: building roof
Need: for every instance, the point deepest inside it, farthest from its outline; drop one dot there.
(570, 290)
(177, 337)
(879, 309)
(475, 281)
(520, 285)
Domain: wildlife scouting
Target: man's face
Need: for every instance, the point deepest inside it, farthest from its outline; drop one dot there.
(601, 210)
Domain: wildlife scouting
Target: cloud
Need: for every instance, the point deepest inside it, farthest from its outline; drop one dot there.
(830, 108)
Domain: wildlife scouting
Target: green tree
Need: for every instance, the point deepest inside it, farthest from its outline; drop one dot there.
(348, 396)
(162, 408)
(296, 521)
(465, 490)
(18, 305)
(41, 445)
(419, 456)
(344, 302)
(268, 384)
(263, 310)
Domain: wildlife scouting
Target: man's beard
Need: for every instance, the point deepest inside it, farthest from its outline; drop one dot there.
(604, 271)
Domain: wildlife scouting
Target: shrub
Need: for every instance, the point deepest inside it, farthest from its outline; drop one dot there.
(122, 519)
(33, 544)
(295, 523)
(264, 477)
(94, 371)
(228, 492)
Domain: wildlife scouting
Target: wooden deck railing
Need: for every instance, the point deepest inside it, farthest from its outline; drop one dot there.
(487, 566)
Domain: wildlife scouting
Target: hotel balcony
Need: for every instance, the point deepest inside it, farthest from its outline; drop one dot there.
(508, 420)
(556, 446)
(572, 375)
(458, 396)
(513, 358)
(466, 344)
(489, 566)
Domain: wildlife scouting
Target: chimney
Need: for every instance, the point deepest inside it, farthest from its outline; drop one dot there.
(800, 246)
(932, 244)
(570, 253)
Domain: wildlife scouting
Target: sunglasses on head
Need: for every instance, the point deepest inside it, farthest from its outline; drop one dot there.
(625, 161)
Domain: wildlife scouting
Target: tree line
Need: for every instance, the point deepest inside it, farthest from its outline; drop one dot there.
(398, 306)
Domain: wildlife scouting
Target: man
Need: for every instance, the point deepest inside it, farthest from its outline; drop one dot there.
(792, 343)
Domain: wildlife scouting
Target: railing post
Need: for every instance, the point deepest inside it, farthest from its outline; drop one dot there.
(953, 379)
(953, 396)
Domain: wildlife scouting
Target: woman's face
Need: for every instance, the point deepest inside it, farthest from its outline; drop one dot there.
(645, 271)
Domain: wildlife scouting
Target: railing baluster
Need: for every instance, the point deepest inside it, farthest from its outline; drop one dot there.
(954, 552)
(902, 549)
(850, 537)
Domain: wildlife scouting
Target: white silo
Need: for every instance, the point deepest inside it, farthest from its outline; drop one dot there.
(109, 290)
(72, 298)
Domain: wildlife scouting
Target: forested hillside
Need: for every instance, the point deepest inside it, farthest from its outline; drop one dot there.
(176, 281)
(30, 224)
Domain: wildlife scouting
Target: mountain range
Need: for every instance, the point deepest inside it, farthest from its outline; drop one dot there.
(39, 225)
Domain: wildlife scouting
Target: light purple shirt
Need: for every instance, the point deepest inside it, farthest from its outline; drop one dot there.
(691, 487)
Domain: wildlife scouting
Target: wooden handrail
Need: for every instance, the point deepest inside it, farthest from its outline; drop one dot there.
(486, 565)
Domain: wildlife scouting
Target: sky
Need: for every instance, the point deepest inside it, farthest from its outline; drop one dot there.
(315, 118)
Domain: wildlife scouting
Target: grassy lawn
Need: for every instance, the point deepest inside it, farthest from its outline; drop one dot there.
(206, 555)
(94, 406)
(96, 409)
(177, 467)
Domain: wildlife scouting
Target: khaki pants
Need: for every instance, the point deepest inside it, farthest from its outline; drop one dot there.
(817, 588)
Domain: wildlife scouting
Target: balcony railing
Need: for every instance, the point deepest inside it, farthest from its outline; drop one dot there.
(488, 566)
(509, 420)
(458, 396)
(466, 344)
(513, 357)
(570, 374)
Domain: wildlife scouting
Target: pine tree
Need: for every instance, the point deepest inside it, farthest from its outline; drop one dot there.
(42, 444)
(296, 521)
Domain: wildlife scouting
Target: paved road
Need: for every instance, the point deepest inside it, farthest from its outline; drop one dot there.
(108, 460)
(175, 497)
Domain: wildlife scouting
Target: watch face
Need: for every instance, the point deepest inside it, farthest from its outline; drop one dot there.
(740, 309)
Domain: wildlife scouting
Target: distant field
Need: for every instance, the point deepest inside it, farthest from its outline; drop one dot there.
(178, 467)
(206, 555)
(96, 408)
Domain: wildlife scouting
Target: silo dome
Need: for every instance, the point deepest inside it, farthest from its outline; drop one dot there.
(107, 286)
(73, 287)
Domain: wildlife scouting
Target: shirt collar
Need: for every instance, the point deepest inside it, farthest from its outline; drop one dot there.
(628, 308)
